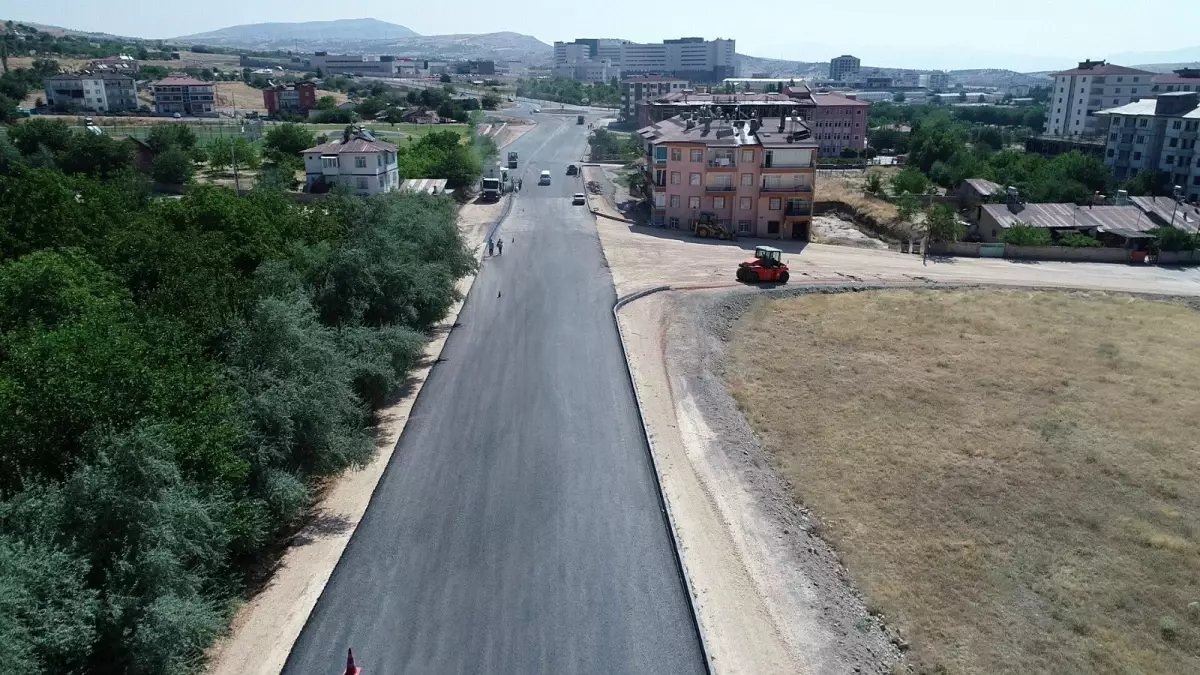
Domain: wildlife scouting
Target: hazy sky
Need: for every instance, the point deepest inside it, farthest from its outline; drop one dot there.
(1019, 34)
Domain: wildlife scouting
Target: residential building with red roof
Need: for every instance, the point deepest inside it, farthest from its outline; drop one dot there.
(358, 161)
(184, 95)
(1092, 86)
(839, 123)
(1184, 79)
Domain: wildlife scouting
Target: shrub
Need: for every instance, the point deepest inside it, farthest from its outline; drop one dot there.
(173, 165)
(1020, 234)
(1078, 240)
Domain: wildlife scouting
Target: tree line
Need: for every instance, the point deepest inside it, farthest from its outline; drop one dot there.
(570, 91)
(176, 375)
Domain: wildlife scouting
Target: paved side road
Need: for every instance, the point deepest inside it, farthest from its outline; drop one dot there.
(517, 527)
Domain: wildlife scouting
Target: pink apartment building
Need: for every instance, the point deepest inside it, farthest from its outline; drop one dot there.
(755, 177)
(839, 123)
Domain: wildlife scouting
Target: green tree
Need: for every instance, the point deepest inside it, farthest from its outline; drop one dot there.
(490, 101)
(327, 103)
(1149, 182)
(163, 136)
(37, 132)
(899, 97)
(1020, 234)
(907, 206)
(287, 140)
(874, 182)
(942, 224)
(1078, 240)
(444, 78)
(910, 181)
(173, 166)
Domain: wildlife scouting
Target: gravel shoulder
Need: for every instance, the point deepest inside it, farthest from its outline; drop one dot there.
(265, 627)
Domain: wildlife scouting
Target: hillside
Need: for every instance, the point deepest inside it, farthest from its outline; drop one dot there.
(340, 29)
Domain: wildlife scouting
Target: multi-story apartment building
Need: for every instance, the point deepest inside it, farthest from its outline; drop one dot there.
(1184, 79)
(839, 123)
(693, 58)
(291, 99)
(938, 80)
(644, 87)
(1156, 134)
(1079, 93)
(357, 160)
(100, 92)
(183, 95)
(755, 177)
(843, 66)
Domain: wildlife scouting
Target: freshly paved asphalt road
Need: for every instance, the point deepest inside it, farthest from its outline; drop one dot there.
(517, 528)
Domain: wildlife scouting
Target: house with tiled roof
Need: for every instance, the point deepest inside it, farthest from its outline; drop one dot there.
(1079, 93)
(356, 160)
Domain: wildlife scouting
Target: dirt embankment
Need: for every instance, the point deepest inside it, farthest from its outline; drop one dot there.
(771, 595)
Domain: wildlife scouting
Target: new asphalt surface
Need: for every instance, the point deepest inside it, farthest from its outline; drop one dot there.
(517, 528)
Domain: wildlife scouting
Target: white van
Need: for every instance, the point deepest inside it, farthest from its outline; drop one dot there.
(544, 179)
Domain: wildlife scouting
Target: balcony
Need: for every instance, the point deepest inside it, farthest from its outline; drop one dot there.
(719, 188)
(776, 164)
(787, 188)
(797, 212)
(721, 163)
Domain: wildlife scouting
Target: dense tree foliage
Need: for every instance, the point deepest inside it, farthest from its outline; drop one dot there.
(175, 376)
(566, 90)
(607, 145)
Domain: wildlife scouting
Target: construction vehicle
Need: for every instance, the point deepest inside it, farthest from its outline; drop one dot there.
(490, 187)
(708, 226)
(512, 159)
(579, 120)
(766, 266)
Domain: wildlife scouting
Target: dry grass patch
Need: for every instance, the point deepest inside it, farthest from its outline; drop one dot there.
(1012, 477)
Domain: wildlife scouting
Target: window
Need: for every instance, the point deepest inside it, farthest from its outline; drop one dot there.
(1177, 124)
(775, 204)
(1195, 180)
(697, 156)
(1111, 152)
(676, 155)
(1137, 156)
(676, 178)
(747, 155)
(360, 162)
(1112, 136)
(1133, 91)
(772, 227)
(744, 203)
(660, 155)
(694, 179)
(673, 222)
(380, 180)
(660, 177)
(718, 202)
(1170, 160)
(1117, 90)
(1120, 79)
(1142, 122)
(379, 160)
(660, 200)
(362, 182)
(674, 201)
(693, 202)
(1174, 143)
(744, 226)
(1141, 139)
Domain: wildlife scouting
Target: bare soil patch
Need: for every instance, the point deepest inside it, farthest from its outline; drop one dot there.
(1010, 476)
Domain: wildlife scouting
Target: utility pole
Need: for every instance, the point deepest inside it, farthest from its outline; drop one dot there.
(1175, 194)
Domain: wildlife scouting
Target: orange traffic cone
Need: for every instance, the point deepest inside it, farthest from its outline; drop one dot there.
(351, 669)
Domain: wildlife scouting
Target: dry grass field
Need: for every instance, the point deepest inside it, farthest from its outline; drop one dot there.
(1012, 478)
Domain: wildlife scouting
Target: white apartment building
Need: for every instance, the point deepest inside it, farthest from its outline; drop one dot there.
(693, 58)
(643, 87)
(1156, 134)
(355, 64)
(94, 92)
(843, 66)
(938, 80)
(1093, 86)
(360, 162)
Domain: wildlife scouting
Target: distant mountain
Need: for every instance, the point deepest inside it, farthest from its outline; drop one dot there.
(305, 31)
(371, 36)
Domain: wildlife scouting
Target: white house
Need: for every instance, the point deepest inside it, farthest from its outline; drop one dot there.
(364, 164)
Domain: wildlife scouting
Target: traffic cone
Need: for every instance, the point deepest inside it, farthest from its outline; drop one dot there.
(351, 669)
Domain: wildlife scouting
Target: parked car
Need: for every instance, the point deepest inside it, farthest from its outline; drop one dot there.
(544, 178)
